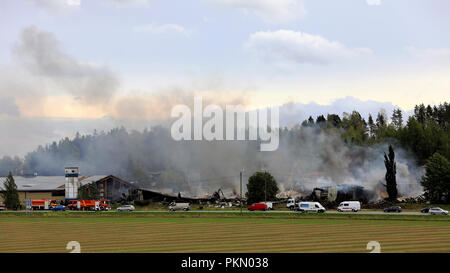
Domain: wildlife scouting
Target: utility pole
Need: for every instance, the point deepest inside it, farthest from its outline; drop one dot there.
(240, 196)
(265, 187)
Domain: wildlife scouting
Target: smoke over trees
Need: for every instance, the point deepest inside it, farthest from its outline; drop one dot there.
(331, 151)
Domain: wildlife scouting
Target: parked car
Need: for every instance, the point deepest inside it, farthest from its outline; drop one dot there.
(393, 209)
(426, 210)
(257, 206)
(438, 211)
(179, 206)
(354, 206)
(126, 208)
(2, 206)
(58, 207)
(310, 207)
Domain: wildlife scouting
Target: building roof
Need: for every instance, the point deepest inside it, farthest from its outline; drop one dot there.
(89, 179)
(47, 183)
(37, 183)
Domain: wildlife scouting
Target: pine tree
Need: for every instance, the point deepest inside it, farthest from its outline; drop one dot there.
(381, 120)
(333, 120)
(321, 121)
(10, 194)
(391, 171)
(397, 119)
(372, 126)
(419, 113)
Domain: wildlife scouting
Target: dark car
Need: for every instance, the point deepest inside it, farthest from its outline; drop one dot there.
(393, 209)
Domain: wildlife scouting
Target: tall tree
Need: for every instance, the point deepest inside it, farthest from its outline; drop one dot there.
(320, 121)
(310, 121)
(436, 181)
(10, 194)
(333, 120)
(381, 123)
(397, 119)
(419, 113)
(381, 120)
(261, 186)
(391, 171)
(372, 126)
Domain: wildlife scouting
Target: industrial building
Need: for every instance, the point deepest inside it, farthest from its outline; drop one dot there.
(66, 187)
(110, 187)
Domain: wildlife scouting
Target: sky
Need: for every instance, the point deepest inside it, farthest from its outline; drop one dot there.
(70, 66)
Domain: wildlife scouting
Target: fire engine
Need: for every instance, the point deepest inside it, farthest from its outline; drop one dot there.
(89, 205)
(43, 204)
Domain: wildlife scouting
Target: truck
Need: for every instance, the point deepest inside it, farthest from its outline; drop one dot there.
(353, 206)
(43, 204)
(179, 206)
(310, 207)
(95, 205)
(291, 204)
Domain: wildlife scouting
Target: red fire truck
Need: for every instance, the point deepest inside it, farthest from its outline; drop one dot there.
(43, 204)
(89, 205)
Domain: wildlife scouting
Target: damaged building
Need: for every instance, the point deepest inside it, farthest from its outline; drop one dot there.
(117, 190)
(342, 192)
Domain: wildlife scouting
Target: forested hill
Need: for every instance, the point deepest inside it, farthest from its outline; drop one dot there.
(136, 154)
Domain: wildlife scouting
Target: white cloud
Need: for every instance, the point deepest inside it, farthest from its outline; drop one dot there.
(68, 5)
(138, 2)
(373, 2)
(73, 2)
(58, 5)
(429, 54)
(292, 113)
(162, 29)
(268, 10)
(300, 47)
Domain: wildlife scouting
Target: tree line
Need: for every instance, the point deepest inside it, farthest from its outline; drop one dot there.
(425, 132)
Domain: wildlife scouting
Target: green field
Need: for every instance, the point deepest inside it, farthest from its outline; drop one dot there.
(222, 232)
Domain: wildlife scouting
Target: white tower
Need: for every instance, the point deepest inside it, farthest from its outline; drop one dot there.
(72, 185)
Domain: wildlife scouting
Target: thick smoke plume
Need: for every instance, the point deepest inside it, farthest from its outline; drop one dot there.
(41, 53)
(306, 158)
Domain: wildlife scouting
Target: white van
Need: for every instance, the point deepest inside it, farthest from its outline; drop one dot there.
(354, 206)
(310, 207)
(269, 205)
(179, 206)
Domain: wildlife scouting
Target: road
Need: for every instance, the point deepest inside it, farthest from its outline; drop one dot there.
(364, 212)
(327, 212)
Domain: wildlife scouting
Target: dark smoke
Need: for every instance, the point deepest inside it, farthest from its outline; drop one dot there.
(306, 159)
